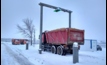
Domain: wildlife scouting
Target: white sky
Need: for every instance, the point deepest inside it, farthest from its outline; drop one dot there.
(89, 15)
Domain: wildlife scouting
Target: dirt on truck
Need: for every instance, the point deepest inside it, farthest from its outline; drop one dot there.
(60, 41)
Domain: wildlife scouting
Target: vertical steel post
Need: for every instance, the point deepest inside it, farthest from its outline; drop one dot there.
(41, 22)
(34, 36)
(69, 19)
(69, 24)
(27, 45)
(75, 53)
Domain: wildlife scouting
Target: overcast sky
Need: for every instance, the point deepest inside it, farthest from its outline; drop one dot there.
(89, 15)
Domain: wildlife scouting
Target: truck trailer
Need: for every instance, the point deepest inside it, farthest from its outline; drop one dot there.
(19, 41)
(60, 41)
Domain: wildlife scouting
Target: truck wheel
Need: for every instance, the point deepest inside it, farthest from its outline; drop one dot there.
(60, 50)
(12, 43)
(64, 52)
(53, 49)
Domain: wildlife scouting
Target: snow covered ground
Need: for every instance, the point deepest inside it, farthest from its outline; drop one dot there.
(32, 57)
(8, 57)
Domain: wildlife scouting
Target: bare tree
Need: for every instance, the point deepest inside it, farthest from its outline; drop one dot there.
(28, 30)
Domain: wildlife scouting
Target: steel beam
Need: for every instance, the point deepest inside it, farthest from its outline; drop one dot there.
(54, 7)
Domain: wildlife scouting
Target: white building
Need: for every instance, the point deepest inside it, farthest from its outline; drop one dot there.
(89, 45)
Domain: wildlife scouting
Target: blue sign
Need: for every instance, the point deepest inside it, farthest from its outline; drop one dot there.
(91, 44)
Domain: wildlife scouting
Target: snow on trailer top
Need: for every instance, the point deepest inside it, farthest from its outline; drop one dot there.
(61, 29)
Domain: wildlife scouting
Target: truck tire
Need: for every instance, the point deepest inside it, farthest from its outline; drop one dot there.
(12, 43)
(64, 52)
(60, 50)
(53, 49)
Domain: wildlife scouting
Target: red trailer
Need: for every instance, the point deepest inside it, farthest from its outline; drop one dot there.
(60, 41)
(18, 41)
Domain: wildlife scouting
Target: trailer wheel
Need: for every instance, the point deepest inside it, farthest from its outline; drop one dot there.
(53, 49)
(60, 50)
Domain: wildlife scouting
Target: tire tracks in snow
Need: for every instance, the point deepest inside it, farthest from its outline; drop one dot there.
(6, 58)
(96, 60)
(19, 57)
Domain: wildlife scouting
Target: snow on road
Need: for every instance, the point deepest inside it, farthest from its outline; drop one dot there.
(47, 58)
(8, 57)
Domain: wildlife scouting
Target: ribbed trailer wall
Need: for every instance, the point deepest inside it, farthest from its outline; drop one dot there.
(64, 36)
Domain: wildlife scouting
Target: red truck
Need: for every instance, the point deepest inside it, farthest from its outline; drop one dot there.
(18, 41)
(60, 41)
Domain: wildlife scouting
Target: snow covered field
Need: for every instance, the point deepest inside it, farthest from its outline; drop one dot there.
(18, 55)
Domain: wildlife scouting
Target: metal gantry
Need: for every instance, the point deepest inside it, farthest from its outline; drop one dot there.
(41, 19)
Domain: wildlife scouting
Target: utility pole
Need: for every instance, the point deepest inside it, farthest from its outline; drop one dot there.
(34, 36)
(57, 9)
